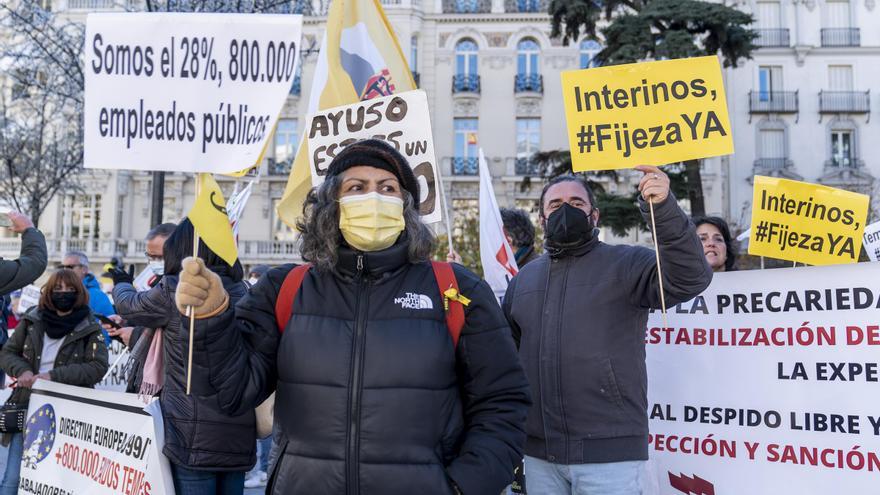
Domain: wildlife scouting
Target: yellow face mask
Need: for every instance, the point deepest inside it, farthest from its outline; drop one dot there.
(372, 221)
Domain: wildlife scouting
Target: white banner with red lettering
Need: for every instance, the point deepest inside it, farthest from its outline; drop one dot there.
(769, 383)
(79, 441)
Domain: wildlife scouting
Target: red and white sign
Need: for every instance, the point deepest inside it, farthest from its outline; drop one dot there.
(768, 383)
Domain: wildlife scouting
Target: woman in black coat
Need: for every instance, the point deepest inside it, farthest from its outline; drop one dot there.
(210, 451)
(376, 394)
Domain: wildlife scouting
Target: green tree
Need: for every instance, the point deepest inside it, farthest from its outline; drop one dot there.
(658, 29)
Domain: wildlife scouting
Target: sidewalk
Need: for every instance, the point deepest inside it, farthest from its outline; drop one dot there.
(251, 491)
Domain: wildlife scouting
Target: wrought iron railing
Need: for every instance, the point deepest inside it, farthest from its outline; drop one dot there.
(844, 102)
(526, 166)
(464, 166)
(777, 37)
(773, 101)
(466, 83)
(525, 6)
(841, 37)
(528, 83)
(467, 6)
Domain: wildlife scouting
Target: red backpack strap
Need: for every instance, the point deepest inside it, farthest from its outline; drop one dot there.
(287, 294)
(445, 276)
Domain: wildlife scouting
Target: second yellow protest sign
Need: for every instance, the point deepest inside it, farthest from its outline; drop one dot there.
(806, 223)
(650, 113)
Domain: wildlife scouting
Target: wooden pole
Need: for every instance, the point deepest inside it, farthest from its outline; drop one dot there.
(191, 310)
(659, 271)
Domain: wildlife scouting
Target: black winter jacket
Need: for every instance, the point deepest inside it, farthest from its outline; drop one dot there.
(81, 359)
(198, 435)
(372, 397)
(580, 322)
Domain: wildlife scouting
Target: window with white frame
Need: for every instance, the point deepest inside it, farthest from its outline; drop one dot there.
(466, 57)
(588, 51)
(528, 137)
(769, 81)
(842, 146)
(81, 216)
(769, 14)
(528, 51)
(286, 141)
(466, 141)
(838, 14)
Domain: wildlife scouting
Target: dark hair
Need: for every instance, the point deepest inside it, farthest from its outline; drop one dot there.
(259, 270)
(179, 246)
(163, 230)
(580, 179)
(729, 242)
(319, 227)
(69, 278)
(519, 226)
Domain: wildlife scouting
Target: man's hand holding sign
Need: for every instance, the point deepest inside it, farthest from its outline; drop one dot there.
(644, 115)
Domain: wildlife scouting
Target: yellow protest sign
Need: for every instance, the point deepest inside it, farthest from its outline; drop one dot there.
(650, 113)
(209, 218)
(807, 223)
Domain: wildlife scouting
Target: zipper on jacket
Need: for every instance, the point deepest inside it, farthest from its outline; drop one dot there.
(352, 481)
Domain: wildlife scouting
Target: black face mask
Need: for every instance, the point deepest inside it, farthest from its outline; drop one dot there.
(569, 227)
(63, 301)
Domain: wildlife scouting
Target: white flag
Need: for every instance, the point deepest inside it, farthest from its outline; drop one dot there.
(499, 264)
(235, 205)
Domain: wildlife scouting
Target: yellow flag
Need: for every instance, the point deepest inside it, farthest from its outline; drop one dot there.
(360, 59)
(208, 216)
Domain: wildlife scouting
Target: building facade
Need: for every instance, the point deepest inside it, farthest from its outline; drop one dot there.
(800, 108)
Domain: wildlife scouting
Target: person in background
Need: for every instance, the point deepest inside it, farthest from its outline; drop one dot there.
(209, 450)
(57, 340)
(373, 394)
(718, 246)
(258, 476)
(579, 312)
(155, 254)
(256, 272)
(520, 235)
(98, 301)
(32, 260)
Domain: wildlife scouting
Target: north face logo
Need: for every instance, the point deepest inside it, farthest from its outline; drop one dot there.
(414, 301)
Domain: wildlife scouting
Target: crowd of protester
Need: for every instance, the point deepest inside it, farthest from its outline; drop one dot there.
(373, 369)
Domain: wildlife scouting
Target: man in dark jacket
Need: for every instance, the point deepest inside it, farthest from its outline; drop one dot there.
(579, 313)
(373, 396)
(31, 263)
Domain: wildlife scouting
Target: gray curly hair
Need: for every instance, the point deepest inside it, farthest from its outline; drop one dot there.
(319, 227)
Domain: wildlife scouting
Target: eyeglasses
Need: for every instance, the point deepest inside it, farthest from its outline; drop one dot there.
(68, 267)
(154, 257)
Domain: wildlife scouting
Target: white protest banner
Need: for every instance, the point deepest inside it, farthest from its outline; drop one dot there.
(499, 262)
(79, 441)
(30, 297)
(872, 241)
(767, 383)
(402, 120)
(115, 378)
(185, 92)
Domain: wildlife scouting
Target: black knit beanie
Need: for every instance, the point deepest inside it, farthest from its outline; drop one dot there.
(378, 154)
